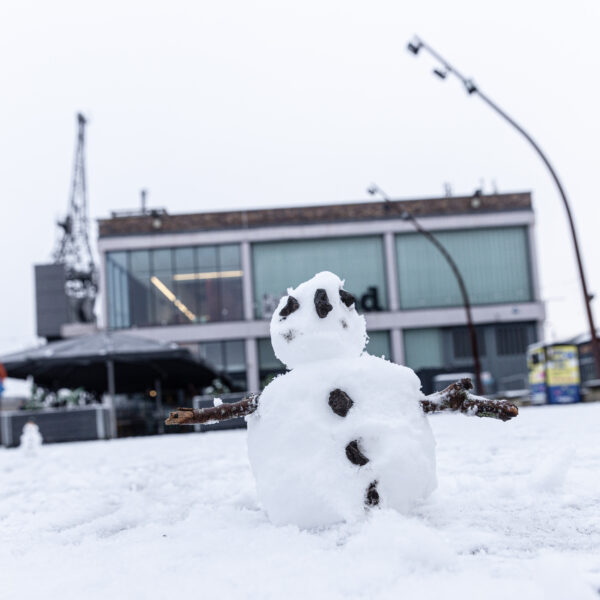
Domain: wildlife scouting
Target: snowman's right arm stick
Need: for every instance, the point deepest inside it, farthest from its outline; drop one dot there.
(455, 397)
(214, 414)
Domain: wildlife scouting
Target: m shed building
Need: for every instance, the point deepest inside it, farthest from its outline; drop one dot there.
(210, 281)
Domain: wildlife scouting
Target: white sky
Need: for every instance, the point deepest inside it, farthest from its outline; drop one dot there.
(243, 103)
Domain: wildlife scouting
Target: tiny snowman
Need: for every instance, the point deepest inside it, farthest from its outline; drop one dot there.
(342, 432)
(31, 438)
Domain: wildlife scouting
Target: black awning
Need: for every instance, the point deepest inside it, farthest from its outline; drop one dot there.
(83, 362)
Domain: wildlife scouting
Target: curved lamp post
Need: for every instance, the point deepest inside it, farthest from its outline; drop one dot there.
(447, 69)
(407, 216)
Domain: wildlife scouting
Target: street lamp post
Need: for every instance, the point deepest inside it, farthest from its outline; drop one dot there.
(407, 216)
(471, 88)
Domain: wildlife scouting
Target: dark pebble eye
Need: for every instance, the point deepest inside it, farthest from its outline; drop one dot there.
(347, 298)
(289, 308)
(322, 303)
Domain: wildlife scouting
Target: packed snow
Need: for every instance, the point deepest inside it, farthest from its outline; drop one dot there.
(341, 431)
(516, 514)
(297, 444)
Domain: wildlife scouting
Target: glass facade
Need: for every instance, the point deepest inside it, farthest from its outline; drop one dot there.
(203, 284)
(423, 348)
(228, 357)
(448, 349)
(379, 344)
(170, 286)
(280, 265)
(493, 262)
(270, 365)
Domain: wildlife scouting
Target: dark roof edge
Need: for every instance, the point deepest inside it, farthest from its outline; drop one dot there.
(309, 215)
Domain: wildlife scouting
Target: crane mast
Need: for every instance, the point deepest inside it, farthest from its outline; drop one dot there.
(73, 247)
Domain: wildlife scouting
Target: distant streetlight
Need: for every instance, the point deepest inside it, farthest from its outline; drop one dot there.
(374, 189)
(446, 69)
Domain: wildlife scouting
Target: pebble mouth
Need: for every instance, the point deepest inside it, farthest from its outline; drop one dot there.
(289, 335)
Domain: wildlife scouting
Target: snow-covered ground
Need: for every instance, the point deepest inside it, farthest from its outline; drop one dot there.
(516, 515)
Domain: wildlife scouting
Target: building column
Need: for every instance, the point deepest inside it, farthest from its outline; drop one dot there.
(391, 276)
(397, 343)
(252, 372)
(110, 397)
(103, 285)
(391, 270)
(247, 289)
(533, 264)
(252, 367)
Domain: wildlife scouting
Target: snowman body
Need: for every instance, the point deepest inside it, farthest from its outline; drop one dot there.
(31, 439)
(343, 431)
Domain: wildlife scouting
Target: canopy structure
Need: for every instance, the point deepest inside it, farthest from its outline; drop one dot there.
(109, 361)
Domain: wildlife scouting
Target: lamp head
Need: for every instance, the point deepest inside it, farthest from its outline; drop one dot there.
(414, 47)
(471, 87)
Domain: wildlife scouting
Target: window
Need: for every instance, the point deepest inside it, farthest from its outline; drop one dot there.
(167, 307)
(511, 339)
(269, 365)
(358, 260)
(140, 299)
(228, 357)
(493, 262)
(170, 286)
(231, 283)
(183, 264)
(379, 344)
(461, 342)
(118, 290)
(423, 348)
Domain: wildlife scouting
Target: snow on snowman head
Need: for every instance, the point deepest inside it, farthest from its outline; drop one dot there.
(317, 321)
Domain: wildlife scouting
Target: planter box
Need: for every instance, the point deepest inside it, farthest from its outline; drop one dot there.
(57, 424)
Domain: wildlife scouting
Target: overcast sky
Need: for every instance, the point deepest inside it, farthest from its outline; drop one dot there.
(244, 103)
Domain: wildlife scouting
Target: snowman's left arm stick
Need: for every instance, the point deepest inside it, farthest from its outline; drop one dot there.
(455, 397)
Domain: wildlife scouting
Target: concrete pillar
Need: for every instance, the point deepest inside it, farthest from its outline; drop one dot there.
(110, 375)
(252, 373)
(397, 346)
(252, 367)
(391, 270)
(100, 429)
(159, 405)
(247, 288)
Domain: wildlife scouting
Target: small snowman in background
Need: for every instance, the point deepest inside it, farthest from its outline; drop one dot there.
(31, 438)
(342, 432)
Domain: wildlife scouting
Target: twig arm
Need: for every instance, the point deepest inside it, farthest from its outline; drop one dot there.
(456, 397)
(213, 414)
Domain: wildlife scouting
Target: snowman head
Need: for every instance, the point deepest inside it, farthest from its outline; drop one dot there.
(317, 321)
